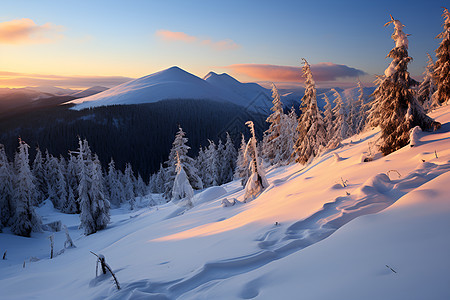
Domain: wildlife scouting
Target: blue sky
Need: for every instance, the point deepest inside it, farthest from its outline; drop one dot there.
(136, 38)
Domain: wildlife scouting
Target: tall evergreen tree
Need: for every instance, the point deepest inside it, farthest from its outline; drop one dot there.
(441, 73)
(114, 185)
(257, 181)
(272, 141)
(242, 161)
(362, 110)
(311, 130)
(179, 146)
(25, 219)
(182, 189)
(6, 189)
(211, 171)
(128, 185)
(396, 109)
(39, 173)
(328, 118)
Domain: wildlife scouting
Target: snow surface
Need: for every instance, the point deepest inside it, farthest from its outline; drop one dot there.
(175, 83)
(337, 228)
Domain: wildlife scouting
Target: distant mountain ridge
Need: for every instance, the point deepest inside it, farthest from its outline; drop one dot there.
(175, 83)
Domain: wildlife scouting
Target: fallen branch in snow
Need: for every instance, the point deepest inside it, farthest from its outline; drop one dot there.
(101, 259)
(52, 244)
(4, 255)
(344, 182)
(391, 269)
(435, 154)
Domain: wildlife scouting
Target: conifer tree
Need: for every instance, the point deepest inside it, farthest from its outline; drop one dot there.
(128, 186)
(114, 184)
(73, 207)
(427, 87)
(257, 181)
(179, 146)
(211, 171)
(228, 160)
(25, 219)
(310, 129)
(220, 167)
(182, 189)
(362, 110)
(6, 189)
(39, 173)
(272, 136)
(340, 124)
(242, 161)
(396, 109)
(328, 118)
(94, 214)
(441, 73)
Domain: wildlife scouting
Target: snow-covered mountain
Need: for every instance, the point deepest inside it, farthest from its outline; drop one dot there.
(337, 228)
(175, 83)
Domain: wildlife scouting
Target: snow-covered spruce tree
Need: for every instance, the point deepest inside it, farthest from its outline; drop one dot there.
(61, 184)
(6, 189)
(360, 121)
(351, 115)
(51, 171)
(114, 186)
(94, 207)
(310, 129)
(272, 140)
(257, 181)
(159, 180)
(73, 207)
(128, 185)
(340, 128)
(242, 161)
(140, 188)
(25, 219)
(441, 73)
(39, 173)
(182, 189)
(228, 160)
(179, 145)
(211, 170)
(427, 87)
(220, 149)
(395, 108)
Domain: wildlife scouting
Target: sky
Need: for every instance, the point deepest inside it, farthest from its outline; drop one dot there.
(78, 44)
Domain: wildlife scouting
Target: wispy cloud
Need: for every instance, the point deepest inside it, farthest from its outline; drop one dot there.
(322, 72)
(12, 79)
(25, 31)
(173, 36)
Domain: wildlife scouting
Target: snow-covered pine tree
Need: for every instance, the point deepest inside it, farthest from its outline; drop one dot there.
(128, 186)
(427, 87)
(140, 188)
(328, 118)
(257, 181)
(25, 219)
(39, 173)
(6, 189)
(159, 180)
(114, 186)
(179, 145)
(220, 168)
(228, 160)
(242, 161)
(61, 184)
(182, 189)
(272, 141)
(360, 121)
(441, 74)
(310, 128)
(52, 167)
(396, 109)
(72, 186)
(211, 171)
(351, 115)
(94, 207)
(340, 126)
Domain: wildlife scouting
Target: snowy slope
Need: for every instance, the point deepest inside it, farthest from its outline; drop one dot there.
(89, 92)
(332, 241)
(173, 83)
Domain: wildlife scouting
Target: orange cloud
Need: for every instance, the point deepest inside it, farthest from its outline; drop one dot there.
(25, 31)
(321, 72)
(168, 35)
(172, 36)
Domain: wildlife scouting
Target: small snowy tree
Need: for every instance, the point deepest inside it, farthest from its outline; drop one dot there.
(128, 186)
(182, 189)
(396, 109)
(211, 171)
(328, 118)
(72, 185)
(39, 174)
(257, 181)
(25, 219)
(441, 73)
(360, 122)
(114, 186)
(6, 189)
(310, 129)
(340, 124)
